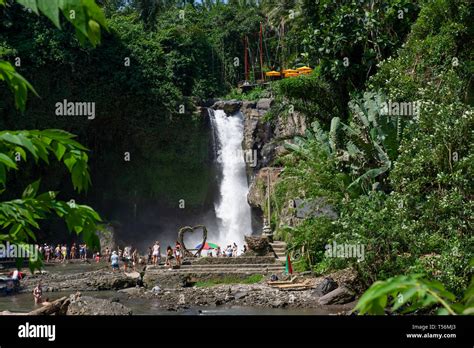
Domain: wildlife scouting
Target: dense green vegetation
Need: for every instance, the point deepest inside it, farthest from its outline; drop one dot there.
(253, 279)
(20, 217)
(401, 185)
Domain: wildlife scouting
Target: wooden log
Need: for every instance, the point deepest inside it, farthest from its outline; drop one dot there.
(52, 308)
(277, 282)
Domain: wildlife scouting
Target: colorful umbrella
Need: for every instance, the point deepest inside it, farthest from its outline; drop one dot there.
(207, 246)
(305, 70)
(272, 73)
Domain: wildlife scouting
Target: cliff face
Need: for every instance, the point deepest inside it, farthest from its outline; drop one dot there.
(265, 137)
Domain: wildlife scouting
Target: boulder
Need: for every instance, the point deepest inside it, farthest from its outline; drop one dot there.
(229, 106)
(86, 305)
(326, 286)
(287, 126)
(314, 208)
(259, 245)
(132, 291)
(264, 104)
(247, 104)
(340, 295)
(257, 194)
(107, 238)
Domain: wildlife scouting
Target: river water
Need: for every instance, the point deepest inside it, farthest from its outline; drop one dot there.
(24, 303)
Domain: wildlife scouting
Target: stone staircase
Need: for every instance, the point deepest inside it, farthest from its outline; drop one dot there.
(263, 268)
(217, 267)
(280, 251)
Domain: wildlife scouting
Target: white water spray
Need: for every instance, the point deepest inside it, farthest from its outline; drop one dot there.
(232, 209)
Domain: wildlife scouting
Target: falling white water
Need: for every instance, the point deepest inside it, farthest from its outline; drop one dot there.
(232, 209)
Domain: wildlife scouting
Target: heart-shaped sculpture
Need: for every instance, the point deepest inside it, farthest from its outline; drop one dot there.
(185, 229)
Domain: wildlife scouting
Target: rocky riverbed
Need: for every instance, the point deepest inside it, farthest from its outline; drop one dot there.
(324, 295)
(95, 280)
(242, 295)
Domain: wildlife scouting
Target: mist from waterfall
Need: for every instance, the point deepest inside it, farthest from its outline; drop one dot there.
(232, 210)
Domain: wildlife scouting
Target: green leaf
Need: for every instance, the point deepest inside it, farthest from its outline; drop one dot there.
(3, 174)
(31, 190)
(31, 4)
(50, 8)
(7, 161)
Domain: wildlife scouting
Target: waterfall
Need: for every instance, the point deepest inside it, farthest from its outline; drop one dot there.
(232, 209)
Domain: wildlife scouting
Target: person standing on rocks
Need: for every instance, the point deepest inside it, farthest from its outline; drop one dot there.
(115, 261)
(47, 252)
(169, 256)
(228, 251)
(156, 252)
(38, 293)
(64, 253)
(126, 258)
(57, 253)
(73, 251)
(177, 253)
(107, 254)
(134, 258)
(150, 256)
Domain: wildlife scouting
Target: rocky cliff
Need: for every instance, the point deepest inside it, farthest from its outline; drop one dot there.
(265, 137)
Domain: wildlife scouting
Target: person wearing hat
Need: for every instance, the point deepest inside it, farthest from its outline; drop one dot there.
(115, 261)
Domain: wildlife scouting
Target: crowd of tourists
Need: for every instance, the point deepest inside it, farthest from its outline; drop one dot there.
(129, 256)
(63, 252)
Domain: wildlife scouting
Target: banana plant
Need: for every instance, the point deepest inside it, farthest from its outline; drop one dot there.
(370, 138)
(366, 145)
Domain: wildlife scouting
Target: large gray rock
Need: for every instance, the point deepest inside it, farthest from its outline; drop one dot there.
(229, 106)
(107, 238)
(246, 104)
(257, 194)
(314, 208)
(287, 126)
(325, 287)
(259, 245)
(264, 103)
(86, 305)
(340, 295)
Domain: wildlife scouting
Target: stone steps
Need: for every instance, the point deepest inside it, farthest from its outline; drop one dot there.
(276, 267)
(222, 268)
(228, 271)
(263, 265)
(280, 251)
